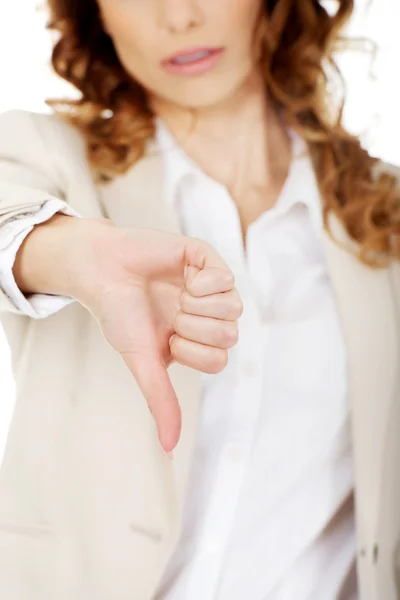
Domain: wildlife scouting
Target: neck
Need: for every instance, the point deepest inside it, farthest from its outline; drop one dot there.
(226, 139)
(247, 103)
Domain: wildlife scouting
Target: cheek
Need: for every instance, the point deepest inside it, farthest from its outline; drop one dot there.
(134, 51)
(130, 31)
(245, 14)
(235, 20)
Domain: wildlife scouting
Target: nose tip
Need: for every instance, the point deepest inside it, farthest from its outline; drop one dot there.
(181, 16)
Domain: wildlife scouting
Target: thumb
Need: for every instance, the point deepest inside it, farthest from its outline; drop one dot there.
(191, 273)
(155, 385)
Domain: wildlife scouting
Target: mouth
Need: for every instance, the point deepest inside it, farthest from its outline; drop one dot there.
(193, 62)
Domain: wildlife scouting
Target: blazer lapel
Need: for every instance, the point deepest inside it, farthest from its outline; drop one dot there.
(366, 305)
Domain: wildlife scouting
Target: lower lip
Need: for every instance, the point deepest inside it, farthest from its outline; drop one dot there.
(196, 67)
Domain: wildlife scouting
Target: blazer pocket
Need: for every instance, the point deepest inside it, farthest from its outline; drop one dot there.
(28, 562)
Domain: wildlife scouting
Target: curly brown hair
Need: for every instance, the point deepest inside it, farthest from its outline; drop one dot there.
(299, 39)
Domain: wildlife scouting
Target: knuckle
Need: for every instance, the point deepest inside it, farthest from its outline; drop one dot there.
(230, 279)
(235, 308)
(222, 361)
(230, 336)
(218, 362)
(239, 307)
(235, 334)
(204, 246)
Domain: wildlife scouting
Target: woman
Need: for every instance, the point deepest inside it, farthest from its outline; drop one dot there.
(210, 120)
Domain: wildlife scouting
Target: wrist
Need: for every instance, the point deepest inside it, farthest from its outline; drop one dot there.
(55, 257)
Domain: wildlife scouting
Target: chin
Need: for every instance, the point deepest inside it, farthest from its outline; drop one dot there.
(205, 92)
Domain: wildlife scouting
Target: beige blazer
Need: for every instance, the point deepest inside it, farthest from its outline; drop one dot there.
(90, 507)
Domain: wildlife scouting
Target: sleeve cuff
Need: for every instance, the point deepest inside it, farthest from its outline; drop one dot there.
(12, 234)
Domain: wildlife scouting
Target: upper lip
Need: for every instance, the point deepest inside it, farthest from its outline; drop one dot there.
(189, 52)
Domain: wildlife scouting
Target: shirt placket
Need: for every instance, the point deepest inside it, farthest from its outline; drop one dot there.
(234, 457)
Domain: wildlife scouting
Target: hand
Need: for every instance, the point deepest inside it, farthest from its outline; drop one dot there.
(162, 298)
(158, 298)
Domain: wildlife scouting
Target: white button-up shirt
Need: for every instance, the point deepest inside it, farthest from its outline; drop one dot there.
(268, 514)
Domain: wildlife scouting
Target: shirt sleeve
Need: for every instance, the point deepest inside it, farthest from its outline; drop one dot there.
(12, 234)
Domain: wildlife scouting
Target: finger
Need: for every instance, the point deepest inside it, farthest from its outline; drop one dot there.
(204, 330)
(215, 275)
(227, 306)
(212, 280)
(198, 356)
(202, 255)
(155, 385)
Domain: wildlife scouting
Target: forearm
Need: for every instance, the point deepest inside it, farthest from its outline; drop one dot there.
(54, 257)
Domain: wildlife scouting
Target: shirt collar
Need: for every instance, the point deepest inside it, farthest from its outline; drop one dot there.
(177, 164)
(301, 185)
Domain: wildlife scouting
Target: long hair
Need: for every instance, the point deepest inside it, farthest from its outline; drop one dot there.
(299, 41)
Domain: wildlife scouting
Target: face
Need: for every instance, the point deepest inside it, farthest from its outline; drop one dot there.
(192, 53)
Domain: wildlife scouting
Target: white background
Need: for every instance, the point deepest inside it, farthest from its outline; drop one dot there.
(372, 107)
